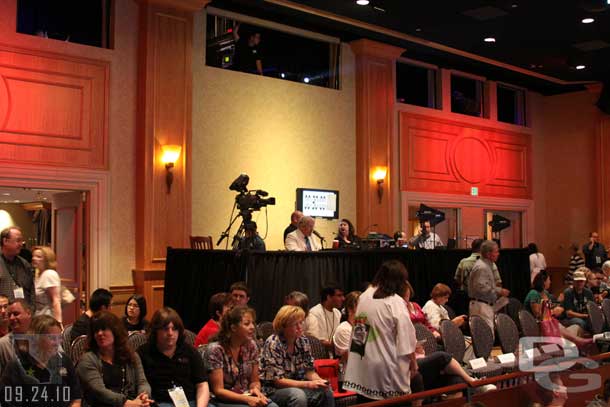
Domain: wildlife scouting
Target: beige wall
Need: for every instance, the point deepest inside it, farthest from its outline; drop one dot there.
(565, 172)
(283, 134)
(121, 120)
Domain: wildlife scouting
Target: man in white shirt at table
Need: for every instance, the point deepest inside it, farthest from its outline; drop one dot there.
(301, 240)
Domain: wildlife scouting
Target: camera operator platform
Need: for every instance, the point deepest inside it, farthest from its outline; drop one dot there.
(426, 239)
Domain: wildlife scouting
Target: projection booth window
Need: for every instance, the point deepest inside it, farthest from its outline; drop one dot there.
(238, 46)
(466, 95)
(416, 84)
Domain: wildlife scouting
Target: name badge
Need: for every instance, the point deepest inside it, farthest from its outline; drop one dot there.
(178, 397)
(477, 363)
(506, 358)
(550, 348)
(18, 292)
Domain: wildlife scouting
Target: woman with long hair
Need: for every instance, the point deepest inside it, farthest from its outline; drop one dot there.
(173, 367)
(346, 235)
(287, 369)
(233, 362)
(110, 372)
(46, 282)
(135, 314)
(42, 367)
(382, 351)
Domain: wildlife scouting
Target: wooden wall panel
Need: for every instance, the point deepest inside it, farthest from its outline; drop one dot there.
(603, 151)
(374, 133)
(451, 157)
(53, 109)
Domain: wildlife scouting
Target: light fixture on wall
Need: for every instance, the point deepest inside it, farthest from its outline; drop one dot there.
(169, 156)
(379, 176)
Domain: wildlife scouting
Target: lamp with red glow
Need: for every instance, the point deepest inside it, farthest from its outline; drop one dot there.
(379, 174)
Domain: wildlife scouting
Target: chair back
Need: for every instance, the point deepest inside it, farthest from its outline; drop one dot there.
(482, 337)
(606, 310)
(189, 337)
(65, 339)
(264, 330)
(318, 351)
(201, 242)
(529, 325)
(423, 334)
(78, 348)
(453, 340)
(596, 317)
(512, 310)
(328, 369)
(450, 311)
(508, 333)
(136, 339)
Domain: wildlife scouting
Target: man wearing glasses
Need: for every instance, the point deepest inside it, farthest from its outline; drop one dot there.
(16, 274)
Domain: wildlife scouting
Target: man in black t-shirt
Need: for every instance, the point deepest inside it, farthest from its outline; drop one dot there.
(247, 57)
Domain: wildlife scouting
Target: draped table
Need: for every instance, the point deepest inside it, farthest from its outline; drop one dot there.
(193, 276)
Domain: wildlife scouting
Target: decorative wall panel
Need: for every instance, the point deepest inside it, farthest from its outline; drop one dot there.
(53, 109)
(451, 157)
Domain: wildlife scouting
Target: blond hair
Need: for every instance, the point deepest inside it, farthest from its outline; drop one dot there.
(50, 259)
(286, 315)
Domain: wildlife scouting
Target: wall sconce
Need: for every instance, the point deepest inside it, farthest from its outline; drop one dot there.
(169, 155)
(379, 177)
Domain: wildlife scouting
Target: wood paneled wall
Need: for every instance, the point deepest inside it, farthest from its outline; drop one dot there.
(53, 109)
(604, 179)
(443, 156)
(375, 66)
(163, 218)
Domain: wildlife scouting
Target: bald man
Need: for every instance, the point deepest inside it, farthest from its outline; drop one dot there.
(294, 220)
(301, 240)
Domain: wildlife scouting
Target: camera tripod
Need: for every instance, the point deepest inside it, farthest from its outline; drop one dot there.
(246, 215)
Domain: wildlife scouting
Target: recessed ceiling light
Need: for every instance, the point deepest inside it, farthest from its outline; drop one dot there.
(579, 67)
(283, 75)
(418, 29)
(514, 5)
(490, 39)
(362, 2)
(587, 20)
(306, 80)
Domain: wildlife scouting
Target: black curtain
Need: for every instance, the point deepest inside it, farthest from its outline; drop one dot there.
(192, 276)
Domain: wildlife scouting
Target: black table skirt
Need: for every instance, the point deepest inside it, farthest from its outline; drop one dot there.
(192, 276)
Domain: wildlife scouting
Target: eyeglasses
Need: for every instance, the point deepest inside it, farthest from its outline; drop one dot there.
(133, 306)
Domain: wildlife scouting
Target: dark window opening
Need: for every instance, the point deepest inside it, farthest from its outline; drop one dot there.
(415, 85)
(466, 95)
(511, 105)
(238, 46)
(81, 21)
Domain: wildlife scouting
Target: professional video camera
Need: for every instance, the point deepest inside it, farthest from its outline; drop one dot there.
(249, 200)
(246, 202)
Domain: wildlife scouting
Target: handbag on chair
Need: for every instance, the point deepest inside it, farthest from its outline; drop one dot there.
(549, 326)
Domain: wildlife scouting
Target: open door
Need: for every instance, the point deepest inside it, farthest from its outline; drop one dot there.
(69, 228)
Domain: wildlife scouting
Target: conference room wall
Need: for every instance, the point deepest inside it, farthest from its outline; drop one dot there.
(566, 173)
(121, 110)
(283, 134)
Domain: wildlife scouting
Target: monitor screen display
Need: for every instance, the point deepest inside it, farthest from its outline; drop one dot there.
(318, 203)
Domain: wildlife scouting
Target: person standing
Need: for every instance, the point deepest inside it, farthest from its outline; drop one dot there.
(295, 217)
(382, 351)
(537, 261)
(247, 57)
(595, 252)
(16, 274)
(576, 262)
(482, 288)
(47, 282)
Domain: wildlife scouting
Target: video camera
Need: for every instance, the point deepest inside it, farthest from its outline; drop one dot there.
(249, 200)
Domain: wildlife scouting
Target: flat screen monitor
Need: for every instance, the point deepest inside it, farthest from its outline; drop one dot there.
(318, 203)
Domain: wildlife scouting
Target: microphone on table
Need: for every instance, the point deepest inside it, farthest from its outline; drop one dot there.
(315, 232)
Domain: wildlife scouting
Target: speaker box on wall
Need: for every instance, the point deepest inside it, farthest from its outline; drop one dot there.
(604, 99)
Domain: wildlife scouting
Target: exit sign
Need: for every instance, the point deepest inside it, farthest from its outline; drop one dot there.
(474, 191)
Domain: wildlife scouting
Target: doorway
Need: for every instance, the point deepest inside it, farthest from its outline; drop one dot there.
(58, 219)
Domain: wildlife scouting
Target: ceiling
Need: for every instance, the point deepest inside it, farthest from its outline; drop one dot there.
(538, 43)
